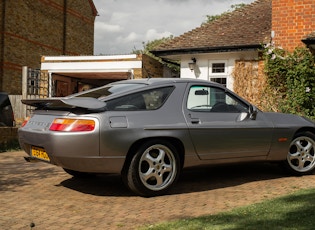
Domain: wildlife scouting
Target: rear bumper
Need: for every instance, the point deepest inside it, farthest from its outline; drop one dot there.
(89, 165)
(74, 152)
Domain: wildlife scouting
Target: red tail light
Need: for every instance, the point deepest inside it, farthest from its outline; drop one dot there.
(25, 121)
(72, 125)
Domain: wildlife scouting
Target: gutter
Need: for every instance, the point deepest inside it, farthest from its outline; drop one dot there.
(219, 49)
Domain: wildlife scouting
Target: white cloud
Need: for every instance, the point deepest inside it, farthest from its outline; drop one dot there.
(103, 27)
(130, 38)
(152, 34)
(125, 25)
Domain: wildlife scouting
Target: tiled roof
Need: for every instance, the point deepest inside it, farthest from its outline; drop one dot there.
(246, 27)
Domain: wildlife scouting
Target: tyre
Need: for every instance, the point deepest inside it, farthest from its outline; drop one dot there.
(153, 169)
(301, 154)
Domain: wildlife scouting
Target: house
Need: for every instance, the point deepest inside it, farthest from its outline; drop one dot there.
(30, 29)
(223, 50)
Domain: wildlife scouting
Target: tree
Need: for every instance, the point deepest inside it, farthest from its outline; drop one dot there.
(151, 45)
(211, 18)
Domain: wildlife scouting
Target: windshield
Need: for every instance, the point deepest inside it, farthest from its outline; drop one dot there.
(107, 90)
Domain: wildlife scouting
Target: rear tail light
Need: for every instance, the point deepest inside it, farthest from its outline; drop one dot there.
(72, 125)
(25, 121)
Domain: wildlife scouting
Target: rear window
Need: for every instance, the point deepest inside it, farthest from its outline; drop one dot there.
(146, 100)
(107, 90)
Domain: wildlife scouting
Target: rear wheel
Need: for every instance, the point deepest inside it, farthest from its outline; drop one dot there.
(153, 169)
(301, 154)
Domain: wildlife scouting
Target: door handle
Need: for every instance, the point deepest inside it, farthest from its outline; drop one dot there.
(195, 120)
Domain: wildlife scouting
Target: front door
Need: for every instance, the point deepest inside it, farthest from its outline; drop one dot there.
(220, 126)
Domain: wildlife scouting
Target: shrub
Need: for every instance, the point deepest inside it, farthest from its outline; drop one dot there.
(291, 80)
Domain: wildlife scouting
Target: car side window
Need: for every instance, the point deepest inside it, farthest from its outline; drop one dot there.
(212, 99)
(146, 100)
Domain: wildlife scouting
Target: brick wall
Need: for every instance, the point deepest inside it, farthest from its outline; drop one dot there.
(35, 28)
(292, 20)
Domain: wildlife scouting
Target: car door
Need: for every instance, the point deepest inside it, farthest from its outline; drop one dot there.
(220, 126)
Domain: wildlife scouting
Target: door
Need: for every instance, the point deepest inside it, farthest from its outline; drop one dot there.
(220, 125)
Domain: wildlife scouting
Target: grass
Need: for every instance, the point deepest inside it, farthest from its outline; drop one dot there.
(295, 211)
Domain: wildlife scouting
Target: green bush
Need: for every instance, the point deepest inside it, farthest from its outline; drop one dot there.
(291, 78)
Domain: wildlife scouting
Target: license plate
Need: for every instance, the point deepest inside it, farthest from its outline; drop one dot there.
(39, 153)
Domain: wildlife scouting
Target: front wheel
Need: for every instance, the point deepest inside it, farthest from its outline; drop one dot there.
(153, 169)
(301, 154)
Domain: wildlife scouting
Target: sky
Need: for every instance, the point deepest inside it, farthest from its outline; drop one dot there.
(123, 25)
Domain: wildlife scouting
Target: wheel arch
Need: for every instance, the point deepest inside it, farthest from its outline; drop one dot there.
(304, 129)
(134, 147)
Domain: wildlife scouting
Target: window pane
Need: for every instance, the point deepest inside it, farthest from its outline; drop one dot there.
(104, 91)
(220, 80)
(198, 98)
(212, 99)
(218, 67)
(145, 100)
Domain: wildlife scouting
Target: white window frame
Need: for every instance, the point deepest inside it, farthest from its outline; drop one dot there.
(218, 75)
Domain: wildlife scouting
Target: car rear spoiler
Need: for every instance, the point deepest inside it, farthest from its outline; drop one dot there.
(64, 102)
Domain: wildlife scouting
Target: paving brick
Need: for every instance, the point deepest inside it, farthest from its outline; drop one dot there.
(45, 195)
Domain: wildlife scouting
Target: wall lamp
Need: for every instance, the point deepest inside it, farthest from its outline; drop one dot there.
(192, 64)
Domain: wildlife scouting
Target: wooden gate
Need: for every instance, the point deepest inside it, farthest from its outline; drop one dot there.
(35, 84)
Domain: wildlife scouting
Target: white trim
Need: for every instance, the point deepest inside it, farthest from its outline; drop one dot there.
(87, 58)
(75, 67)
(211, 62)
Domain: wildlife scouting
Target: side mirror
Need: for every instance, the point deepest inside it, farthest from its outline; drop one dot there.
(252, 112)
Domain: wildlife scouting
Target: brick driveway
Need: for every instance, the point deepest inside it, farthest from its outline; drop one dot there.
(50, 198)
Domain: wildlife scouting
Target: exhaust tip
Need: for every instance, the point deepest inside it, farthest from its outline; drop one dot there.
(30, 159)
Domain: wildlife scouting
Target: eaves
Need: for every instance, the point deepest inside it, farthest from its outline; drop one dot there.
(199, 50)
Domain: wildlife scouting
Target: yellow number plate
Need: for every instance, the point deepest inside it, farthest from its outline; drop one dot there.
(39, 153)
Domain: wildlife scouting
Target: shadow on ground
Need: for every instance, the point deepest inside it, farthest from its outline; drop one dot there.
(191, 180)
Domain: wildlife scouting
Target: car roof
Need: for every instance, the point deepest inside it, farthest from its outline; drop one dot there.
(157, 81)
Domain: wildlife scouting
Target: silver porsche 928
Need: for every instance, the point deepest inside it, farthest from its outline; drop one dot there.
(148, 130)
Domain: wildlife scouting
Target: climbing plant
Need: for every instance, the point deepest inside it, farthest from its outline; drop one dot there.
(291, 80)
